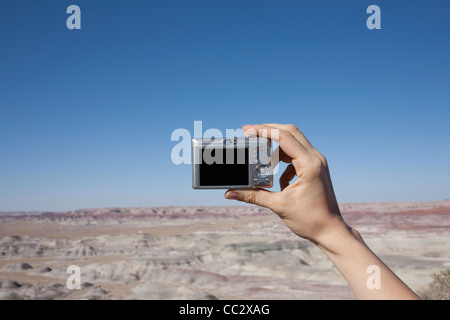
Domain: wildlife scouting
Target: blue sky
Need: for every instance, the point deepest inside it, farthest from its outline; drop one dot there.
(86, 116)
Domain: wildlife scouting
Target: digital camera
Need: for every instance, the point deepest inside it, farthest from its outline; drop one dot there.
(232, 163)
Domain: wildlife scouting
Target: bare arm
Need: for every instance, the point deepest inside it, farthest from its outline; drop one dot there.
(309, 208)
(358, 265)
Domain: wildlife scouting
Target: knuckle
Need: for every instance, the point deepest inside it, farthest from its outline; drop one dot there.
(283, 134)
(251, 197)
(323, 160)
(291, 127)
(315, 166)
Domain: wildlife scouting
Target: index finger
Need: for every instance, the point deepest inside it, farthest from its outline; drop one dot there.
(296, 133)
(288, 143)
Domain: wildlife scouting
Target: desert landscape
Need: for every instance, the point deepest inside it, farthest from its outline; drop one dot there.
(236, 252)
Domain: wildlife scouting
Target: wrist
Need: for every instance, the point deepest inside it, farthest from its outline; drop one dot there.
(337, 236)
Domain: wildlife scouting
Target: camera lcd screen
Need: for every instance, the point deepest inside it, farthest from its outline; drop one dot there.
(223, 173)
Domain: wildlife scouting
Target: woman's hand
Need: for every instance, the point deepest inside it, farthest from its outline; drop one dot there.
(308, 206)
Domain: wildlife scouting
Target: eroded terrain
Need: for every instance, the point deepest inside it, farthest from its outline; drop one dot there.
(207, 252)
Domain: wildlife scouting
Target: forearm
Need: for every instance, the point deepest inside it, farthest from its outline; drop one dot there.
(309, 209)
(361, 267)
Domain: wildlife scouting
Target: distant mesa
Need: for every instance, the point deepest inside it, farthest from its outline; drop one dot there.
(45, 270)
(87, 285)
(205, 212)
(16, 267)
(9, 284)
(25, 266)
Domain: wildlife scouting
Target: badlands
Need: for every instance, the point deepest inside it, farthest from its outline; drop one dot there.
(236, 252)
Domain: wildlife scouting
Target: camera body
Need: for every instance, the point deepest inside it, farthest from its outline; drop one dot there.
(232, 163)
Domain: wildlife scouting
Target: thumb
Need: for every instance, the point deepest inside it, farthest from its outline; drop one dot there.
(260, 197)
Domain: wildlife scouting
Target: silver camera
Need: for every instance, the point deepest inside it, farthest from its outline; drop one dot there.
(232, 163)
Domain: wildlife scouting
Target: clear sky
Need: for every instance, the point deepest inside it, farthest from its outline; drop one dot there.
(86, 116)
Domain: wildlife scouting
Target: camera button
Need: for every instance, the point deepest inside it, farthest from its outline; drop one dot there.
(256, 181)
(262, 171)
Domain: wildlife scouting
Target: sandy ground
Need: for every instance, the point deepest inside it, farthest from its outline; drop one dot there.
(207, 253)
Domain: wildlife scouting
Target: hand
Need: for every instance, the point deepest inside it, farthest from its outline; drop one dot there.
(308, 206)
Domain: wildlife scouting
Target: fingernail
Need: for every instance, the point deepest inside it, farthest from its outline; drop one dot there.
(231, 195)
(250, 131)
